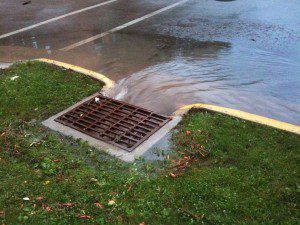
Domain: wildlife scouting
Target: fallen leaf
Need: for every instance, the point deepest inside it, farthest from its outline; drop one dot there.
(40, 198)
(203, 216)
(69, 204)
(99, 205)
(168, 157)
(47, 208)
(55, 160)
(111, 202)
(172, 175)
(58, 177)
(196, 216)
(84, 217)
(47, 182)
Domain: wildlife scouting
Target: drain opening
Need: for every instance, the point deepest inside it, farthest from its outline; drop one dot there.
(115, 122)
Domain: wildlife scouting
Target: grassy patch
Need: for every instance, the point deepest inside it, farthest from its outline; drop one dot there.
(237, 171)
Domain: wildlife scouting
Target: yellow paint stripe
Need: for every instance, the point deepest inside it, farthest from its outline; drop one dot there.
(247, 116)
(108, 82)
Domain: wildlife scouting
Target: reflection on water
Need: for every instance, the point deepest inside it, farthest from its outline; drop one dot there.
(248, 79)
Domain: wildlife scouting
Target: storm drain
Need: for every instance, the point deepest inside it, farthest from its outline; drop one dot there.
(115, 122)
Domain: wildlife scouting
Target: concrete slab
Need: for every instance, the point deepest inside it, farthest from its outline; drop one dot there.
(4, 65)
(110, 149)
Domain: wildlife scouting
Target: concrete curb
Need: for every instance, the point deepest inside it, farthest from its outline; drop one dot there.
(108, 82)
(152, 140)
(242, 115)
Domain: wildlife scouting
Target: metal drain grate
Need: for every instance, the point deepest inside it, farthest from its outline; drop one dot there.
(114, 122)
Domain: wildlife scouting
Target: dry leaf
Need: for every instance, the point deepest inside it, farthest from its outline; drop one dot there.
(172, 175)
(58, 177)
(111, 202)
(47, 182)
(40, 198)
(84, 217)
(69, 204)
(47, 208)
(99, 205)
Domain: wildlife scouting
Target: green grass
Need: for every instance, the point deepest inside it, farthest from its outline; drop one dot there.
(250, 173)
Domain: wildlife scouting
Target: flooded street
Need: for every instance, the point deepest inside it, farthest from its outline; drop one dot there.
(220, 74)
(239, 54)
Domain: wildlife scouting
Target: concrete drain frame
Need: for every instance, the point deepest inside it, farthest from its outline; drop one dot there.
(118, 123)
(121, 129)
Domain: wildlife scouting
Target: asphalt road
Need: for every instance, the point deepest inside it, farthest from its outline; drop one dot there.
(167, 53)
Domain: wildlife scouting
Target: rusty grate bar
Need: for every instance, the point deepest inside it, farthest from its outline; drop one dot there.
(115, 122)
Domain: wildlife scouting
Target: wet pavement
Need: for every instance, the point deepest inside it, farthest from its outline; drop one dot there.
(240, 54)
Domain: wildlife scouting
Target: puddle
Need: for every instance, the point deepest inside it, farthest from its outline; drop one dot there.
(218, 73)
(162, 74)
(245, 57)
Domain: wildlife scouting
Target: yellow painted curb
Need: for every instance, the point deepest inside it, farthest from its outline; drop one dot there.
(108, 82)
(245, 116)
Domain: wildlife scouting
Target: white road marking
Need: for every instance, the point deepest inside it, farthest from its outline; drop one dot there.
(77, 44)
(55, 18)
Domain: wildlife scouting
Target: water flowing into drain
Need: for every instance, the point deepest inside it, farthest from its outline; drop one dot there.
(217, 79)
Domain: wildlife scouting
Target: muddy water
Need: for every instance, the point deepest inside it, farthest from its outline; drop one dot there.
(240, 54)
(218, 73)
(163, 73)
(244, 55)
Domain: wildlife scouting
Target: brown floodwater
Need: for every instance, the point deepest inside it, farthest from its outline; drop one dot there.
(241, 54)
(218, 73)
